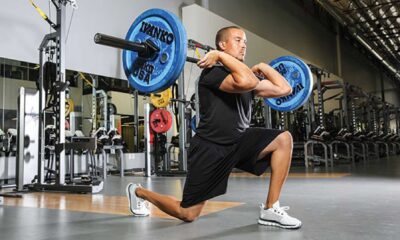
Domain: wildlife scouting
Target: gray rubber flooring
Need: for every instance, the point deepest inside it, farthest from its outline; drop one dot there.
(364, 205)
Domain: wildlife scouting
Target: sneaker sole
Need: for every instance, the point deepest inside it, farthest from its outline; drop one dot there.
(276, 224)
(128, 194)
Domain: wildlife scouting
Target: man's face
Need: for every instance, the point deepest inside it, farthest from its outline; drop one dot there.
(235, 43)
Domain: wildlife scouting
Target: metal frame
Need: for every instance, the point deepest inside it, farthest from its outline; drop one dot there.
(58, 38)
(183, 127)
(19, 177)
(309, 154)
(148, 149)
(27, 137)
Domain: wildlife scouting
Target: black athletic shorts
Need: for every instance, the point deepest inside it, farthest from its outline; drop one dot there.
(209, 164)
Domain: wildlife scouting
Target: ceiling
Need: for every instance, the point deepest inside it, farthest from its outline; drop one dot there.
(374, 24)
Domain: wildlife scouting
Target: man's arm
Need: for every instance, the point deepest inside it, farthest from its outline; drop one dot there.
(274, 84)
(241, 78)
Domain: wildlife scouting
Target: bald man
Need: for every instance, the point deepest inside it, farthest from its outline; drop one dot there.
(224, 140)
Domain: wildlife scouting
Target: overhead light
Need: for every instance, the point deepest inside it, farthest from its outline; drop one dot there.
(369, 47)
(389, 66)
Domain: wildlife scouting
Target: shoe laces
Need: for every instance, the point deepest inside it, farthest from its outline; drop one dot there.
(142, 203)
(279, 210)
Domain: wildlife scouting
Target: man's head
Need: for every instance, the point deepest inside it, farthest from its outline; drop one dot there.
(232, 40)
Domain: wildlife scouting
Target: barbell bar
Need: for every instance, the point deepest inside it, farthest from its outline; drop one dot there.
(155, 51)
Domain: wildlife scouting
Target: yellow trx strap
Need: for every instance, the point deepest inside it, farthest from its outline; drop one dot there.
(43, 15)
(85, 79)
(197, 53)
(69, 106)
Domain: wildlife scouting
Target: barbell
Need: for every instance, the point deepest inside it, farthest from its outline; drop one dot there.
(154, 54)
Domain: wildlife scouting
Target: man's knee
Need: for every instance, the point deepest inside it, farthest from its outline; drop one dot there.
(285, 139)
(189, 215)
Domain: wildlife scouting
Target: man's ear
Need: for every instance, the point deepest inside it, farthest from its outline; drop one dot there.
(222, 45)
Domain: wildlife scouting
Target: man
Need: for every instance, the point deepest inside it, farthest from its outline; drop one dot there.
(223, 138)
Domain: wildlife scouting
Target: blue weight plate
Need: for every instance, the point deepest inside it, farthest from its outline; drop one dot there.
(165, 30)
(299, 76)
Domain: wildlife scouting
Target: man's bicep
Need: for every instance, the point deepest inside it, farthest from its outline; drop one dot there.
(266, 89)
(228, 85)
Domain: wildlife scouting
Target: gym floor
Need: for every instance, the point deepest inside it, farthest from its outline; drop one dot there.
(360, 202)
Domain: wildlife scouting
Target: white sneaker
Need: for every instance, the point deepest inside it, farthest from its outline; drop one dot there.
(277, 216)
(137, 205)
